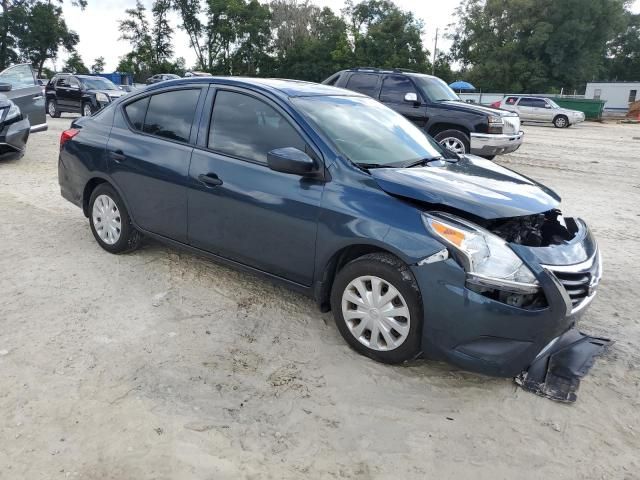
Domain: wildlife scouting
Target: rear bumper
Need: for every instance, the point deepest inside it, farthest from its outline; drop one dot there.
(13, 139)
(485, 144)
(481, 334)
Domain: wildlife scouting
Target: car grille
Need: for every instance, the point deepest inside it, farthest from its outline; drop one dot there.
(511, 124)
(579, 281)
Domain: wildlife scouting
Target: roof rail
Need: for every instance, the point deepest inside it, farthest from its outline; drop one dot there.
(404, 70)
(383, 70)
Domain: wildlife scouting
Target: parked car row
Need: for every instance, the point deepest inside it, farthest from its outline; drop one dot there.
(416, 249)
(540, 110)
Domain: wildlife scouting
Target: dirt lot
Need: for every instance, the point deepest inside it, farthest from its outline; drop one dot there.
(162, 365)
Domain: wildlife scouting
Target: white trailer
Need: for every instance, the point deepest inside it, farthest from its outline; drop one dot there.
(618, 95)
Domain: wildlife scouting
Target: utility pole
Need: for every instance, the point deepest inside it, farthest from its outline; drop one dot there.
(435, 50)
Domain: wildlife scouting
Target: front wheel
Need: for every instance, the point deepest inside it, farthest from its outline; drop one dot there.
(87, 110)
(110, 222)
(454, 140)
(561, 121)
(377, 307)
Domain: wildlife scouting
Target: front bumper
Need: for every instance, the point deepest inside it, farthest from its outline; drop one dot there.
(485, 144)
(13, 139)
(481, 334)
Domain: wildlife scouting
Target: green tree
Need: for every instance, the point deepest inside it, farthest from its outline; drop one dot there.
(74, 64)
(534, 45)
(17, 23)
(161, 33)
(98, 65)
(383, 35)
(623, 59)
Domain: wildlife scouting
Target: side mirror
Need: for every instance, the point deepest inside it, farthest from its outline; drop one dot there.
(5, 87)
(411, 97)
(290, 160)
(546, 105)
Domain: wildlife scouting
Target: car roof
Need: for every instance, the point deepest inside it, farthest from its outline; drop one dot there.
(388, 71)
(277, 86)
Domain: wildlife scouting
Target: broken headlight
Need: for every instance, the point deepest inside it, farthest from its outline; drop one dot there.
(487, 259)
(13, 112)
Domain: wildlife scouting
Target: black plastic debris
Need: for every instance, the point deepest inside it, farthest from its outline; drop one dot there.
(556, 373)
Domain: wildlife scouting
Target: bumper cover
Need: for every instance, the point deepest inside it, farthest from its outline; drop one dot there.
(556, 371)
(13, 139)
(481, 334)
(495, 144)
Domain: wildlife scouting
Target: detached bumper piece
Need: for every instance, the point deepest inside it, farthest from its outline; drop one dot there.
(557, 370)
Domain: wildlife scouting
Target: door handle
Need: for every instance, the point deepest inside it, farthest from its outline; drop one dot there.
(210, 179)
(118, 156)
(37, 97)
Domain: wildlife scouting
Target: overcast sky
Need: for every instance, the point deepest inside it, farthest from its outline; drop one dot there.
(97, 26)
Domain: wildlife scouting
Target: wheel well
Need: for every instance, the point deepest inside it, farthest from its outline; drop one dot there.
(335, 264)
(441, 127)
(560, 115)
(86, 195)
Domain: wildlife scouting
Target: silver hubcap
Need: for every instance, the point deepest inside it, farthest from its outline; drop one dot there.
(106, 219)
(376, 313)
(561, 122)
(87, 110)
(453, 144)
(52, 109)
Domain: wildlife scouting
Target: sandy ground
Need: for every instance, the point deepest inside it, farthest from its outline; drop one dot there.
(162, 365)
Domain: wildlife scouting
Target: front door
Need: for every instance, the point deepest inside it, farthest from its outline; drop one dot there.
(393, 94)
(74, 94)
(238, 207)
(25, 93)
(149, 151)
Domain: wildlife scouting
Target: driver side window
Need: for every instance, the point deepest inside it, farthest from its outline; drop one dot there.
(394, 88)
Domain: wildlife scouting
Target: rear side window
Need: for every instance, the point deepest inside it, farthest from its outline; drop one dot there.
(136, 111)
(170, 114)
(243, 126)
(511, 100)
(394, 88)
(365, 83)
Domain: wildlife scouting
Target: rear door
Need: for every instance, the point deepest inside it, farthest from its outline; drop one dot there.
(526, 109)
(392, 94)
(74, 94)
(26, 93)
(149, 151)
(365, 83)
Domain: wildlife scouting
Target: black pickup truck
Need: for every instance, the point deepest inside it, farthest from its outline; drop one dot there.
(430, 104)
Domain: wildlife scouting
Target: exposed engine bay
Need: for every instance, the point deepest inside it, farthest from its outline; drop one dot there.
(540, 230)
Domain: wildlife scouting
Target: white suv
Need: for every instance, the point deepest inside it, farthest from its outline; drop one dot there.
(540, 109)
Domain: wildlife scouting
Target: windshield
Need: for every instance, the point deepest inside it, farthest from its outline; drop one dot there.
(99, 84)
(552, 103)
(435, 89)
(367, 132)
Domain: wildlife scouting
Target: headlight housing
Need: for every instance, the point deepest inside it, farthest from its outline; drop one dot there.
(13, 112)
(487, 258)
(496, 123)
(102, 97)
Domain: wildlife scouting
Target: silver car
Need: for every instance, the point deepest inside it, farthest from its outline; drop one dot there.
(542, 110)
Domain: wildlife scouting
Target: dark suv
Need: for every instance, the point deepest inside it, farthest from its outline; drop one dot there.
(432, 106)
(83, 94)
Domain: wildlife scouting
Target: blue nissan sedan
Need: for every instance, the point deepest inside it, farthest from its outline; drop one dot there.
(418, 251)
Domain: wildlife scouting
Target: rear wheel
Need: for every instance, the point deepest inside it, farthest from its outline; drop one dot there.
(52, 109)
(377, 308)
(561, 121)
(454, 140)
(110, 222)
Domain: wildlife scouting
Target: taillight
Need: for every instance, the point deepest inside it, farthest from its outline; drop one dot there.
(68, 135)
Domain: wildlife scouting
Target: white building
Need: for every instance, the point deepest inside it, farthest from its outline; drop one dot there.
(618, 95)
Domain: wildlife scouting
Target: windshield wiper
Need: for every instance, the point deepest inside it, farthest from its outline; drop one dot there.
(374, 165)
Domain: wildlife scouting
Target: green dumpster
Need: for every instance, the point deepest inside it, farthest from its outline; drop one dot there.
(592, 109)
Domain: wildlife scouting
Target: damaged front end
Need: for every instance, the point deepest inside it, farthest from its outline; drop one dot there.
(525, 282)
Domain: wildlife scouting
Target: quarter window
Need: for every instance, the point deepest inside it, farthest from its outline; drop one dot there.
(511, 100)
(136, 111)
(394, 89)
(242, 126)
(632, 95)
(365, 83)
(170, 114)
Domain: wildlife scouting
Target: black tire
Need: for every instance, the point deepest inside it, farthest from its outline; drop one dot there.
(84, 106)
(561, 121)
(489, 157)
(52, 108)
(129, 238)
(393, 271)
(462, 137)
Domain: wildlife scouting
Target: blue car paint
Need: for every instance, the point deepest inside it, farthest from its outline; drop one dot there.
(293, 229)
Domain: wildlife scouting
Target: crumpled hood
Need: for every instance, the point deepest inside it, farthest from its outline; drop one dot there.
(473, 184)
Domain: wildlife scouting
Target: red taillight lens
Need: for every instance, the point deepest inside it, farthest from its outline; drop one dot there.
(68, 135)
